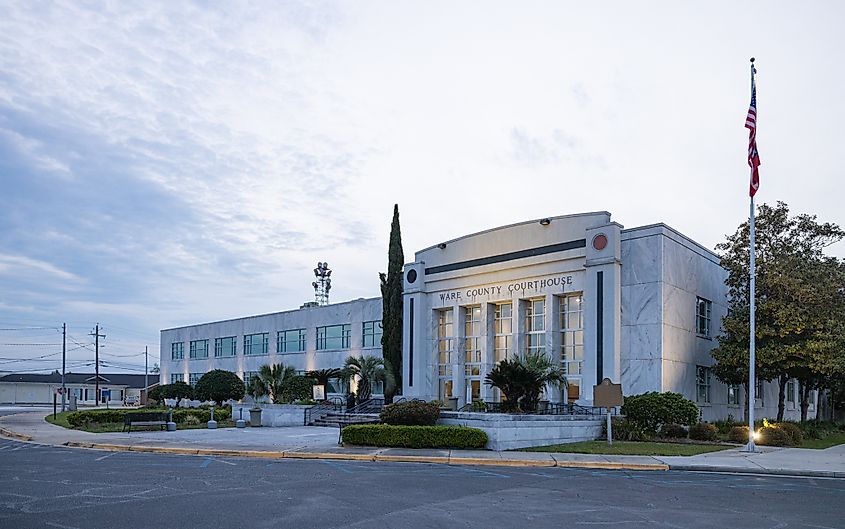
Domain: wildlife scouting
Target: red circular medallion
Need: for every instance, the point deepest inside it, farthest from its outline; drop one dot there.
(600, 241)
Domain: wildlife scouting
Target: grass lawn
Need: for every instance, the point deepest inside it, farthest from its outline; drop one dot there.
(827, 442)
(630, 448)
(61, 420)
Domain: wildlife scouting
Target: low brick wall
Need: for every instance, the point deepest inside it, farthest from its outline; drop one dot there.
(508, 431)
(274, 414)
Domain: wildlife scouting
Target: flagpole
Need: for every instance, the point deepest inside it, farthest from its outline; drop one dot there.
(752, 381)
(752, 279)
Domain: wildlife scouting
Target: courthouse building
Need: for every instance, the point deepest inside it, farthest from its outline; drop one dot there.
(640, 306)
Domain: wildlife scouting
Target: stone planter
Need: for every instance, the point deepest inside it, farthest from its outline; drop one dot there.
(255, 417)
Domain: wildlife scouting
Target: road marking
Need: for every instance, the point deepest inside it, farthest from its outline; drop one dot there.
(336, 466)
(60, 526)
(105, 456)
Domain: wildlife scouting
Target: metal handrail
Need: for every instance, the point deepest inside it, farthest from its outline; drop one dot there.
(322, 409)
(367, 406)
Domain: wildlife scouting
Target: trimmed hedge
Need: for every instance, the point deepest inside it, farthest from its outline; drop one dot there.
(772, 436)
(738, 434)
(652, 410)
(411, 413)
(673, 431)
(414, 436)
(796, 436)
(180, 415)
(704, 431)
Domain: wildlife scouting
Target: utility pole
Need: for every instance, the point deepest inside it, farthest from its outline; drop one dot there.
(146, 370)
(64, 350)
(96, 334)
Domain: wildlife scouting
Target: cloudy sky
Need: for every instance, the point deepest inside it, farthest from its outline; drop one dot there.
(168, 163)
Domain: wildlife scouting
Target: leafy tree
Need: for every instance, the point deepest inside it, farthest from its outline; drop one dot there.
(177, 390)
(218, 386)
(296, 388)
(155, 369)
(273, 377)
(391, 294)
(799, 297)
(368, 370)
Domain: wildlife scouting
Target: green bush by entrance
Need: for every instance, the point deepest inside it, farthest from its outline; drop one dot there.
(652, 410)
(414, 436)
(411, 413)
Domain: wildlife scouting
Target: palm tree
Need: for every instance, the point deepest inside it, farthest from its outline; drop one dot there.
(368, 369)
(273, 377)
(522, 378)
(256, 388)
(322, 376)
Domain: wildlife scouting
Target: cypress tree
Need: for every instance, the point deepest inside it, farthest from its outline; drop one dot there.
(391, 295)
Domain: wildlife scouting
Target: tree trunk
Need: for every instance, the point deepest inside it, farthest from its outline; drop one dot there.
(782, 395)
(804, 392)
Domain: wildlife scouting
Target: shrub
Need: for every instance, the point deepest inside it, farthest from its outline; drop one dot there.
(625, 430)
(296, 387)
(673, 431)
(414, 436)
(652, 410)
(191, 419)
(725, 426)
(478, 405)
(794, 432)
(176, 390)
(738, 434)
(411, 413)
(219, 385)
(80, 418)
(202, 415)
(817, 429)
(771, 436)
(703, 431)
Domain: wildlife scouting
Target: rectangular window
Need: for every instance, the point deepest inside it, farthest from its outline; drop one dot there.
(225, 346)
(535, 326)
(790, 393)
(702, 384)
(572, 343)
(445, 348)
(758, 393)
(333, 337)
(193, 378)
(199, 349)
(503, 331)
(733, 395)
(248, 375)
(472, 342)
(372, 333)
(177, 350)
(256, 344)
(176, 377)
(292, 341)
(703, 308)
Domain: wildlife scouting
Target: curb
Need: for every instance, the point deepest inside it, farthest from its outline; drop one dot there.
(760, 471)
(14, 435)
(370, 457)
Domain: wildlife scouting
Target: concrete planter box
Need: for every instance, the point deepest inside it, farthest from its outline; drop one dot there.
(508, 431)
(275, 415)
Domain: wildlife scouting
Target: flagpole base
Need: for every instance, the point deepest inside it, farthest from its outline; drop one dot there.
(750, 447)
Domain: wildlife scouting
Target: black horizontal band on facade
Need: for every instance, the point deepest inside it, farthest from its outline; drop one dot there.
(531, 252)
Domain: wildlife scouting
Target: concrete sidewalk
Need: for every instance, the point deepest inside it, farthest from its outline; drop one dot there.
(321, 443)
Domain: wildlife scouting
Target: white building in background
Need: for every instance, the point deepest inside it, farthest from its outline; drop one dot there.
(640, 306)
(312, 337)
(115, 389)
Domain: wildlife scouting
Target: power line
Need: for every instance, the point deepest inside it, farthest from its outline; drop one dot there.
(29, 344)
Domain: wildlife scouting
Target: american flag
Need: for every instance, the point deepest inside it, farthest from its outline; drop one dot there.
(751, 125)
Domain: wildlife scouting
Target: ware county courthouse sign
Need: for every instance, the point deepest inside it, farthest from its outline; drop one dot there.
(565, 283)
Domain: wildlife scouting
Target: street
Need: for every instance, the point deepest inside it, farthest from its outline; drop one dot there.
(52, 487)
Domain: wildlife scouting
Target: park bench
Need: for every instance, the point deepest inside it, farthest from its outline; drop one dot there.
(146, 418)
